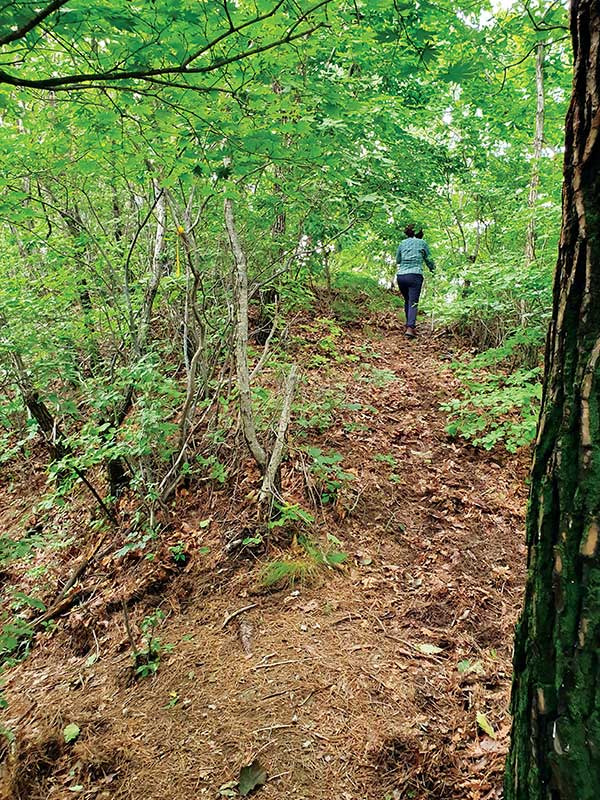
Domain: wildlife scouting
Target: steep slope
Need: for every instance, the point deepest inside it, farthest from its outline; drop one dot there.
(363, 682)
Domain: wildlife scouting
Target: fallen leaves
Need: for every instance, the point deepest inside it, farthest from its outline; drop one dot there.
(251, 777)
(429, 649)
(484, 724)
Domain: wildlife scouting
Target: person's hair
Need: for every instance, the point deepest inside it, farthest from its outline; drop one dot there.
(419, 233)
(409, 231)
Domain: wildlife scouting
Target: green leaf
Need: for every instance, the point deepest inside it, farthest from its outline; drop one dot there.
(459, 73)
(485, 726)
(228, 789)
(335, 558)
(467, 666)
(30, 601)
(428, 54)
(370, 198)
(429, 649)
(251, 777)
(71, 732)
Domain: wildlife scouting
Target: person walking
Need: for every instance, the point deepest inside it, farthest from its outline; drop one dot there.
(410, 256)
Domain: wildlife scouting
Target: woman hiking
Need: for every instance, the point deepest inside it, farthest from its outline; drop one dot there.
(411, 254)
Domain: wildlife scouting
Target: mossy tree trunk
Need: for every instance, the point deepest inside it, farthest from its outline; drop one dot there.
(555, 746)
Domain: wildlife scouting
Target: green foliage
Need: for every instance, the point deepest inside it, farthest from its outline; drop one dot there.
(360, 293)
(138, 539)
(499, 406)
(115, 284)
(348, 135)
(328, 334)
(71, 732)
(290, 515)
(287, 517)
(15, 638)
(146, 661)
(497, 409)
(21, 600)
(320, 416)
(287, 572)
(178, 553)
(327, 472)
(497, 302)
(386, 458)
(376, 376)
(216, 470)
(16, 549)
(15, 442)
(328, 557)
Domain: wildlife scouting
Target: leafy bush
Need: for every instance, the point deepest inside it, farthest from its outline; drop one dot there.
(492, 301)
(495, 408)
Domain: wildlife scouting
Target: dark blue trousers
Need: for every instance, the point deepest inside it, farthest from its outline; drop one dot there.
(410, 285)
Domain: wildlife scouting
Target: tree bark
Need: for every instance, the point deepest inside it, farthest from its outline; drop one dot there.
(160, 208)
(241, 340)
(49, 427)
(555, 745)
(270, 490)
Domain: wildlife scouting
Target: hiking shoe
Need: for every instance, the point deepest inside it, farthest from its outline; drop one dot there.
(410, 332)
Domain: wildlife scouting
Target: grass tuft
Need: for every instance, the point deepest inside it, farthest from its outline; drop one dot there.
(303, 569)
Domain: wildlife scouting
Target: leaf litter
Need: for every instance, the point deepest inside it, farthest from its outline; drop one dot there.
(388, 676)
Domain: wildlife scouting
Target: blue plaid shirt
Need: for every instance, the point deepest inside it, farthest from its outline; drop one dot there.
(410, 256)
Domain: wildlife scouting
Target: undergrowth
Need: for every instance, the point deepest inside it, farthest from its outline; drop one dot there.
(492, 301)
(499, 407)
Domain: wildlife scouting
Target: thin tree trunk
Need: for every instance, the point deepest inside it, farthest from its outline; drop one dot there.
(271, 485)
(241, 340)
(555, 745)
(156, 266)
(51, 432)
(117, 474)
(538, 143)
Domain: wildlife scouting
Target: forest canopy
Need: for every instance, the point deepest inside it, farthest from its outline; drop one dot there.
(331, 125)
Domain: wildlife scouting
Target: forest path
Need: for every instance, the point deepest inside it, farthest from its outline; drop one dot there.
(349, 688)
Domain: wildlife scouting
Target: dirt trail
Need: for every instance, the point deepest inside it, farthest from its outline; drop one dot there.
(365, 685)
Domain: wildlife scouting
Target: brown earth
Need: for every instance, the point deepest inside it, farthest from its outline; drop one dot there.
(344, 686)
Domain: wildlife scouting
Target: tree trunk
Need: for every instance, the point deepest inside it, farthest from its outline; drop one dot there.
(555, 746)
(160, 208)
(538, 143)
(270, 490)
(240, 284)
